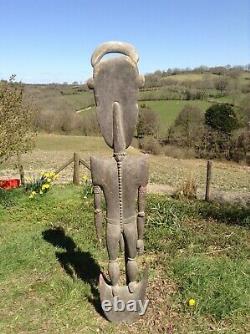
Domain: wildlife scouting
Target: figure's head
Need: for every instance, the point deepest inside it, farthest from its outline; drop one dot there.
(116, 83)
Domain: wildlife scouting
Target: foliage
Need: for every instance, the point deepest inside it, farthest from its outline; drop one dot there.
(87, 187)
(148, 122)
(41, 185)
(221, 83)
(188, 127)
(16, 121)
(245, 110)
(221, 117)
(188, 189)
(150, 145)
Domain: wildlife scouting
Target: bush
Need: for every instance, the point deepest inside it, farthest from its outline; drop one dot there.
(178, 152)
(188, 189)
(221, 117)
(148, 122)
(16, 121)
(151, 145)
(188, 127)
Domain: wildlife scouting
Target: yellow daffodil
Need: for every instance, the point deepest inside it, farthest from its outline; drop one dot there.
(85, 178)
(45, 186)
(33, 193)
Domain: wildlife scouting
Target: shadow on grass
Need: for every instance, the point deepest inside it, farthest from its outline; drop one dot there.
(229, 214)
(76, 263)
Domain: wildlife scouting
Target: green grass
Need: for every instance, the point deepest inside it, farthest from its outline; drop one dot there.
(50, 261)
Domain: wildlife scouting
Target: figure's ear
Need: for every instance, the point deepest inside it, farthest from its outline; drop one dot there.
(141, 81)
(90, 83)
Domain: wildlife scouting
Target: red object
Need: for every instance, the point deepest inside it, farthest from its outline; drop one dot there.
(10, 184)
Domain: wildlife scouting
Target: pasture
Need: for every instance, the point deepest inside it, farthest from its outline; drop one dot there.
(168, 110)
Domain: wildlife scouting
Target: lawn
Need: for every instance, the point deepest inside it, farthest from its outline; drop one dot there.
(50, 261)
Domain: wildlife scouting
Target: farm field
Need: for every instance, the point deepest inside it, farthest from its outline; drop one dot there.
(49, 266)
(52, 151)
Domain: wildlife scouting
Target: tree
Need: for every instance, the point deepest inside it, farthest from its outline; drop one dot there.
(16, 121)
(221, 84)
(188, 127)
(148, 122)
(221, 117)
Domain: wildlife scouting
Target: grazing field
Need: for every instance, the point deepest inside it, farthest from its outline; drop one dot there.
(52, 151)
(168, 110)
(50, 263)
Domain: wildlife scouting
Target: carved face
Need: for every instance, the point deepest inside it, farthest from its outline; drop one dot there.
(117, 80)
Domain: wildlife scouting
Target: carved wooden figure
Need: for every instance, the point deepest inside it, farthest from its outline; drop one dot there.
(122, 178)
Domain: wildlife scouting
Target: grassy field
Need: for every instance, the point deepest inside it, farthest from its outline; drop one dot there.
(59, 99)
(50, 262)
(169, 110)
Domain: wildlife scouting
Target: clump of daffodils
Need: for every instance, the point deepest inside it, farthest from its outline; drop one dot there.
(42, 185)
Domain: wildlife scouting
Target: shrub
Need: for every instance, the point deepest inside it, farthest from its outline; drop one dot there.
(221, 117)
(179, 152)
(188, 127)
(16, 121)
(151, 145)
(148, 122)
(187, 189)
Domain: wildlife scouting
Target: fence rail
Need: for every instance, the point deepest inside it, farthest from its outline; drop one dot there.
(76, 160)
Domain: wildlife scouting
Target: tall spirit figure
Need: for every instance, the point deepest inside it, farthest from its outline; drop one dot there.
(122, 178)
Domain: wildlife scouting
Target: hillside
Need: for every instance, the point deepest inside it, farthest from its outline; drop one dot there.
(166, 95)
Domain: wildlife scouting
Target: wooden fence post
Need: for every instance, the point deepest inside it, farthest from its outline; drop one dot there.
(21, 169)
(76, 175)
(208, 180)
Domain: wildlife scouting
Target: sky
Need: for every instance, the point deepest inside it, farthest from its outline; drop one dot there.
(44, 41)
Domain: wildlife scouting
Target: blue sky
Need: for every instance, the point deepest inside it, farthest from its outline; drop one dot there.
(52, 40)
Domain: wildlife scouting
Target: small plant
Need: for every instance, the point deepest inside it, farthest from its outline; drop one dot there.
(87, 187)
(188, 189)
(42, 185)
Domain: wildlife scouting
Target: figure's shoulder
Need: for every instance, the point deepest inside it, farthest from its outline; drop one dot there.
(99, 161)
(100, 167)
(139, 164)
(139, 160)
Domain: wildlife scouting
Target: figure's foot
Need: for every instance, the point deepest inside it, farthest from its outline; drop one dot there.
(115, 289)
(132, 286)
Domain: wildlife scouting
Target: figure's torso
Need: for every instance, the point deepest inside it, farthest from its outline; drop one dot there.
(134, 173)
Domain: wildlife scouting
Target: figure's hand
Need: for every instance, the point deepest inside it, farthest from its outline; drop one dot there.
(140, 246)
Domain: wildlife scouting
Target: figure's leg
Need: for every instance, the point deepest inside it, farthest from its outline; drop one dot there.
(130, 233)
(113, 237)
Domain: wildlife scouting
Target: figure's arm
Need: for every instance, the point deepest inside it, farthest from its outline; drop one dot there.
(98, 213)
(141, 218)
